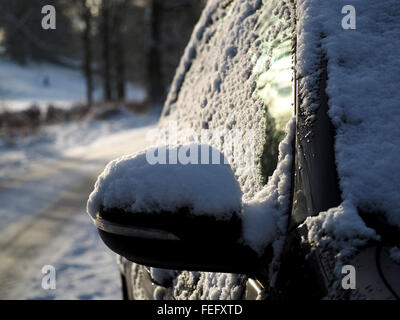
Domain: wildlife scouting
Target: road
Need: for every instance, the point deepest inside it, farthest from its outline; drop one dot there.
(39, 208)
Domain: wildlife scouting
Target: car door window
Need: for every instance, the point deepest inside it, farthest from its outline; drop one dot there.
(274, 83)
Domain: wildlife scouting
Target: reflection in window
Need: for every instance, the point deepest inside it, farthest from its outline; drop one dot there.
(274, 87)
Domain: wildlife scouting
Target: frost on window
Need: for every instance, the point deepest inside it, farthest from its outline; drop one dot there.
(273, 71)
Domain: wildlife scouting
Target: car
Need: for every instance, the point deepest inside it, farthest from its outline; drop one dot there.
(265, 67)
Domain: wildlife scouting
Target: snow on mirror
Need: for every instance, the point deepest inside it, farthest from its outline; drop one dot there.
(176, 208)
(196, 177)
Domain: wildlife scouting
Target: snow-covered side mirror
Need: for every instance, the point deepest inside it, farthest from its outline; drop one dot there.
(176, 208)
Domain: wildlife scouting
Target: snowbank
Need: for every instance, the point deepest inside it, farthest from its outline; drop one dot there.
(135, 184)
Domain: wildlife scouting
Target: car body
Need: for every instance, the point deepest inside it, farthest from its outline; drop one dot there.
(251, 96)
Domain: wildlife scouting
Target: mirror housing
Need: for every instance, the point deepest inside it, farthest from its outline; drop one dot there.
(180, 215)
(180, 241)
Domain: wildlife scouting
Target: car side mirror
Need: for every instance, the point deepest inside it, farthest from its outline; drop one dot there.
(178, 240)
(189, 218)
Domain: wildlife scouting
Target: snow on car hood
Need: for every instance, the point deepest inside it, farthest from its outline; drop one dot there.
(364, 105)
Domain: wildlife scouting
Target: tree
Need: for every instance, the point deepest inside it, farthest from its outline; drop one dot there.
(86, 15)
(118, 47)
(26, 39)
(105, 36)
(156, 90)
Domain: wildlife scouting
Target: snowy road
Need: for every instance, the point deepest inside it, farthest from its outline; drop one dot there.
(43, 222)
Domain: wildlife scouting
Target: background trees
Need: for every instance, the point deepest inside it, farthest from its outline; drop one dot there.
(113, 42)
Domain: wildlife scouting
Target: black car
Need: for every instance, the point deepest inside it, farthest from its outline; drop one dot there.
(241, 71)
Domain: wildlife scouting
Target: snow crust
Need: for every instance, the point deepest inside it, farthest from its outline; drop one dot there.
(134, 184)
(363, 76)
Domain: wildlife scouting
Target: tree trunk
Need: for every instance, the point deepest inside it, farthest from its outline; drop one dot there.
(119, 50)
(87, 45)
(105, 34)
(155, 77)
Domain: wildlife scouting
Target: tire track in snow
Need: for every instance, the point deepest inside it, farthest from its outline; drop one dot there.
(46, 200)
(32, 235)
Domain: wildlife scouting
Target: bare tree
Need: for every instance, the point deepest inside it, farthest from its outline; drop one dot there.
(118, 47)
(105, 36)
(25, 40)
(87, 47)
(157, 90)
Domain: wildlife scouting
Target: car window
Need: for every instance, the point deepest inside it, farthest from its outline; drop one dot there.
(274, 83)
(236, 77)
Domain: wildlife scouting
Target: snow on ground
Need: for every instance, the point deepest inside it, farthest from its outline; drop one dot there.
(363, 76)
(45, 181)
(85, 268)
(34, 172)
(58, 141)
(44, 83)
